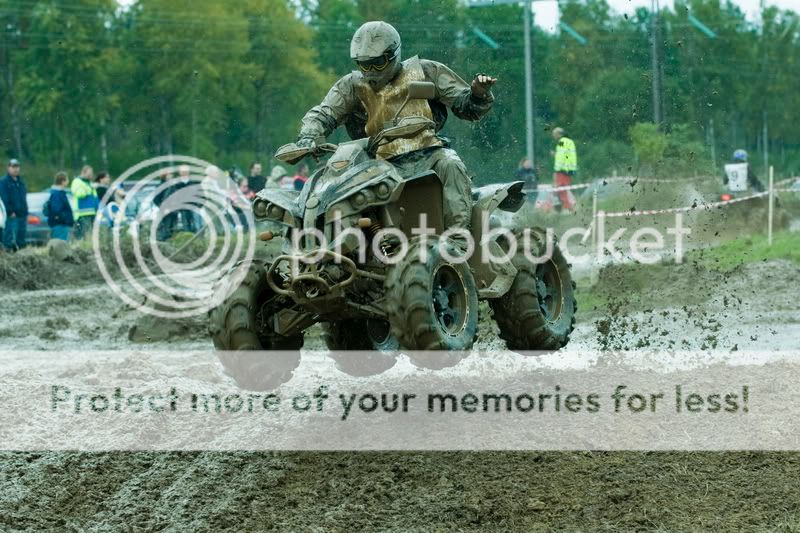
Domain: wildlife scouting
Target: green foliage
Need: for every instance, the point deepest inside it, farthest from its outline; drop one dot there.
(749, 249)
(621, 97)
(686, 153)
(677, 153)
(649, 144)
(85, 81)
(602, 157)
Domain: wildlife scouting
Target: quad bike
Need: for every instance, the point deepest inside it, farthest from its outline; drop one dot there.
(386, 295)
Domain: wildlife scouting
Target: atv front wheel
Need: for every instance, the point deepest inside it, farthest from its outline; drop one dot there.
(538, 311)
(238, 326)
(432, 303)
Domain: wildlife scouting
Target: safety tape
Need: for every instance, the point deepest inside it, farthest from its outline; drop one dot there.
(546, 188)
(651, 180)
(710, 205)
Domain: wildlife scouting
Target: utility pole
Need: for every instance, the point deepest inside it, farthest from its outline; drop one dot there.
(713, 145)
(529, 118)
(527, 13)
(656, 70)
(764, 138)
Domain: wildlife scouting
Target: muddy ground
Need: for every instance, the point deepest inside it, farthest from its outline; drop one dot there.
(692, 307)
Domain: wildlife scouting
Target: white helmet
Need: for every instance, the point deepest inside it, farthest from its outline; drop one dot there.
(375, 48)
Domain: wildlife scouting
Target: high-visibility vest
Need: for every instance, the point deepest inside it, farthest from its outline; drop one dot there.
(566, 156)
(84, 198)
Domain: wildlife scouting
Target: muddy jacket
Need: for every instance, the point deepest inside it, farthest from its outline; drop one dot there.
(353, 103)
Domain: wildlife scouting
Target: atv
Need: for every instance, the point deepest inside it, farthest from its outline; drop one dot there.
(351, 262)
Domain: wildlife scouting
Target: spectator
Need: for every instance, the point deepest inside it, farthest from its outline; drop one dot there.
(14, 196)
(276, 176)
(103, 182)
(85, 201)
(189, 219)
(58, 211)
(527, 174)
(244, 188)
(256, 181)
(166, 227)
(301, 177)
(214, 186)
(565, 166)
(240, 201)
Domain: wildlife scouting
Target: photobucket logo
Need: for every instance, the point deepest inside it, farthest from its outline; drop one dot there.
(154, 200)
(496, 243)
(390, 245)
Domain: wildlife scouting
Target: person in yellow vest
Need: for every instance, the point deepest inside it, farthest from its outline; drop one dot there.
(84, 202)
(564, 167)
(374, 92)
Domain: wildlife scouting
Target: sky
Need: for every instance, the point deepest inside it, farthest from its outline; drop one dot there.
(546, 12)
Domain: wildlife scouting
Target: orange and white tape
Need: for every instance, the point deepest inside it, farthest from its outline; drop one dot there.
(547, 188)
(710, 205)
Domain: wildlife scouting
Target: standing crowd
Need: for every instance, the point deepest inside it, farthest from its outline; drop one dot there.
(72, 206)
(70, 209)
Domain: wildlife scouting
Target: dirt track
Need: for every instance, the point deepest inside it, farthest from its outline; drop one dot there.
(402, 492)
(422, 491)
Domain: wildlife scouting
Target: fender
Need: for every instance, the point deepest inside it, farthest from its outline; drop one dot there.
(504, 196)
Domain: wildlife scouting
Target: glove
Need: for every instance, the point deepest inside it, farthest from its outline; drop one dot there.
(482, 85)
(306, 142)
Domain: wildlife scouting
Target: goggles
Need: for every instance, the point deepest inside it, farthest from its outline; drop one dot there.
(378, 63)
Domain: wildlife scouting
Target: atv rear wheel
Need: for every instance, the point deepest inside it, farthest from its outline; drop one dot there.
(359, 334)
(238, 326)
(432, 304)
(538, 311)
(371, 337)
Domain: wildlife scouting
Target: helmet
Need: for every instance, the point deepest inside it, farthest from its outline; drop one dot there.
(375, 48)
(277, 172)
(740, 155)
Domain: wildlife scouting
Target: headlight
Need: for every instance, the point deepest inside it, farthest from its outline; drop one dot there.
(383, 191)
(358, 199)
(339, 165)
(275, 212)
(260, 208)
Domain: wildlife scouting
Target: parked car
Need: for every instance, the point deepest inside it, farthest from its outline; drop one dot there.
(139, 205)
(38, 230)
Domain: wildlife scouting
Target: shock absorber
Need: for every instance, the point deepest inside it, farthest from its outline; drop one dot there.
(372, 228)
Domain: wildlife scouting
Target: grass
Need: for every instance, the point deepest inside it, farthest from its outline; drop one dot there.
(749, 249)
(589, 301)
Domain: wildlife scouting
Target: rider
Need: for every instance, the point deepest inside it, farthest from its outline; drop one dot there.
(371, 95)
(740, 164)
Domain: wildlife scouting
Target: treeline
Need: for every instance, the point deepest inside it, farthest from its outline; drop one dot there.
(87, 81)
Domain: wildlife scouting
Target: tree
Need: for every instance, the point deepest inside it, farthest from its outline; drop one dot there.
(649, 144)
(65, 87)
